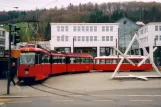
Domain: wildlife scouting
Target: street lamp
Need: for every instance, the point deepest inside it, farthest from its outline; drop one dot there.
(73, 44)
(124, 34)
(155, 54)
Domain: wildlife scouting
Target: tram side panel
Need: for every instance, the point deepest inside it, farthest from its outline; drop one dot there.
(79, 64)
(59, 65)
(34, 66)
(111, 64)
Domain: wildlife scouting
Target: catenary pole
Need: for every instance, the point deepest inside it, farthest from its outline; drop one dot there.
(9, 59)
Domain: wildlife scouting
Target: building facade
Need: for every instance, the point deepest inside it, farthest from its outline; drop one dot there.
(94, 38)
(2, 41)
(150, 36)
(3, 57)
(127, 28)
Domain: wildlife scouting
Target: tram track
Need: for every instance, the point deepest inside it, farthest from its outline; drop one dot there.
(71, 93)
(60, 92)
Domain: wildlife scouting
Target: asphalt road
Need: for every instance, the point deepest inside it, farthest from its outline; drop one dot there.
(112, 98)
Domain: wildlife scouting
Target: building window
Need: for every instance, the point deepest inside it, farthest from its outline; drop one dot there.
(74, 38)
(159, 28)
(104, 51)
(66, 28)
(111, 28)
(79, 38)
(107, 38)
(103, 38)
(107, 28)
(141, 32)
(111, 38)
(160, 37)
(91, 28)
(91, 38)
(95, 28)
(156, 37)
(103, 28)
(62, 28)
(66, 38)
(83, 38)
(87, 28)
(83, 29)
(78, 28)
(87, 38)
(58, 28)
(58, 38)
(156, 28)
(62, 38)
(95, 38)
(74, 28)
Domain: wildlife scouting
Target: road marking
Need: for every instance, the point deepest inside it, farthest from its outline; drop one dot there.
(131, 95)
(16, 102)
(3, 100)
(141, 100)
(102, 100)
(78, 95)
(62, 100)
(1, 104)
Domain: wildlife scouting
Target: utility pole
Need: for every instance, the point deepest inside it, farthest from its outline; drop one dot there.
(73, 44)
(15, 39)
(9, 59)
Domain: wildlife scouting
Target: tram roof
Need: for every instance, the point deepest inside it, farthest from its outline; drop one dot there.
(82, 55)
(32, 49)
(119, 57)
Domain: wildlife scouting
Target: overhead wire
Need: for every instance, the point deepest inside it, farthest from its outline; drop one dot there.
(48, 4)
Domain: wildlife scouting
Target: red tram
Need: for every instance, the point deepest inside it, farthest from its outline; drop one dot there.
(34, 64)
(109, 63)
(37, 64)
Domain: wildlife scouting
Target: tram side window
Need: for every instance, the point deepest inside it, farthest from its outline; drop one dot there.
(91, 60)
(72, 60)
(135, 61)
(78, 60)
(115, 61)
(54, 60)
(58, 60)
(86, 60)
(38, 58)
(96, 61)
(125, 62)
(45, 59)
(63, 60)
(147, 61)
(102, 61)
(107, 61)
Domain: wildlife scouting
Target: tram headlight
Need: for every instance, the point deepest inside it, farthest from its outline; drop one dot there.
(26, 72)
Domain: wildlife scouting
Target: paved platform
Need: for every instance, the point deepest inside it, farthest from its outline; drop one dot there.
(82, 83)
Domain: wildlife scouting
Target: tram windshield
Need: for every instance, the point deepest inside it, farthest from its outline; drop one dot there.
(27, 58)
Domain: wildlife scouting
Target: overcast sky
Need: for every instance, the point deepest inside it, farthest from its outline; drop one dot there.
(33, 4)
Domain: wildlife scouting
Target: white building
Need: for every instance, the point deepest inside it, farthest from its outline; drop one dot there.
(150, 36)
(97, 38)
(2, 41)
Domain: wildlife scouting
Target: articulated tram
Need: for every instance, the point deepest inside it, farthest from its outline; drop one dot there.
(37, 64)
(109, 63)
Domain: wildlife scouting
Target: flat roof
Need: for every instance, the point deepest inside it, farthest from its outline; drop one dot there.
(84, 23)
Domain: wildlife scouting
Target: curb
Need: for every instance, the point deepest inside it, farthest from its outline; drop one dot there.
(10, 96)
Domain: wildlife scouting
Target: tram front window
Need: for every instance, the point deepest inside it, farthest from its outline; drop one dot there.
(27, 58)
